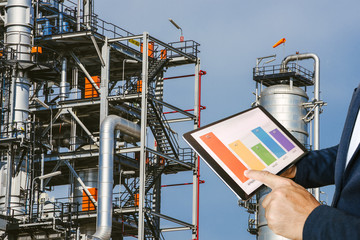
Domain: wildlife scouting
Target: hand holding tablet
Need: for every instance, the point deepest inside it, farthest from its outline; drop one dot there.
(252, 139)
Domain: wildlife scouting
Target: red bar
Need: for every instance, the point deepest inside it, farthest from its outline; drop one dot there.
(225, 155)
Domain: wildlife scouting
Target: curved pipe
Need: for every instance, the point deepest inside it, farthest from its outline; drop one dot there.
(316, 96)
(316, 88)
(106, 162)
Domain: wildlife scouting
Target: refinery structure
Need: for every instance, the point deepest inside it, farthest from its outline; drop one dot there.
(82, 106)
(291, 93)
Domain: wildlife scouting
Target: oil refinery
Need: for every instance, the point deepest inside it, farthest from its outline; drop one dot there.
(82, 106)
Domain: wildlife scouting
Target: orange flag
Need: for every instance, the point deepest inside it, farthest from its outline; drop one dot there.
(281, 41)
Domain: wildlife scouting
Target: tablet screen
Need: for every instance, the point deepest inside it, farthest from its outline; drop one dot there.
(252, 139)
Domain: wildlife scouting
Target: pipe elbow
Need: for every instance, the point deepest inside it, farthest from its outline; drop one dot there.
(103, 233)
(106, 152)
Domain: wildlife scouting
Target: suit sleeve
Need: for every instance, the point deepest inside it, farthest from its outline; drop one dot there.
(317, 168)
(329, 223)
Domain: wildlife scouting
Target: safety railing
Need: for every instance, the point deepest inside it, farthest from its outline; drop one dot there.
(187, 155)
(279, 69)
(125, 199)
(67, 20)
(189, 47)
(16, 130)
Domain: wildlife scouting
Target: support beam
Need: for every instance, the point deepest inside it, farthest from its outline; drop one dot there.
(169, 158)
(61, 111)
(179, 120)
(81, 182)
(196, 169)
(83, 126)
(104, 82)
(173, 108)
(58, 164)
(81, 66)
(144, 103)
(174, 220)
(175, 229)
(97, 50)
(125, 38)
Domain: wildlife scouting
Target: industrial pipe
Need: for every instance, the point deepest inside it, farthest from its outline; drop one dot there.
(316, 96)
(63, 80)
(316, 89)
(106, 159)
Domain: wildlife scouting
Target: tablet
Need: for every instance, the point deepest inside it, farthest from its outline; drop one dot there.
(251, 139)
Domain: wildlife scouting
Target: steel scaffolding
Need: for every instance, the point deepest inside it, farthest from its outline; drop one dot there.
(79, 70)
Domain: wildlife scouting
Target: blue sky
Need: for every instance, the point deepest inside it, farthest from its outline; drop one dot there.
(232, 35)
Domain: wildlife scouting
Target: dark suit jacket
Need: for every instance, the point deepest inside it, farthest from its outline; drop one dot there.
(327, 166)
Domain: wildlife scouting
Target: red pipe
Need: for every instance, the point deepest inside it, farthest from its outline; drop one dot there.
(201, 73)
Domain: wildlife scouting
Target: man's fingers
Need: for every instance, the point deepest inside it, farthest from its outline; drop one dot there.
(269, 179)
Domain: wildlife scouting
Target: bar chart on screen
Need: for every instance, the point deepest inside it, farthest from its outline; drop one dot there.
(248, 140)
(263, 149)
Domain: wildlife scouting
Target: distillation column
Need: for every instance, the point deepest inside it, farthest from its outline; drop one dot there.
(18, 43)
(285, 103)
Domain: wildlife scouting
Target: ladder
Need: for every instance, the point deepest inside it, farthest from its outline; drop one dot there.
(5, 94)
(163, 134)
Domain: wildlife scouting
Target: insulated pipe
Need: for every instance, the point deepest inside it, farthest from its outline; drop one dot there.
(87, 8)
(316, 89)
(106, 159)
(304, 56)
(78, 16)
(63, 80)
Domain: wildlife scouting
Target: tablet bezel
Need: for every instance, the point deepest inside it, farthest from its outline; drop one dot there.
(222, 174)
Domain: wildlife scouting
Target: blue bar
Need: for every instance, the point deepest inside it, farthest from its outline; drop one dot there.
(269, 142)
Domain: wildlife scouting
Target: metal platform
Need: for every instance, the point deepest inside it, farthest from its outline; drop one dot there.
(276, 74)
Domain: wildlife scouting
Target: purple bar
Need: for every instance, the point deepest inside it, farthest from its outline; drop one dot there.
(282, 139)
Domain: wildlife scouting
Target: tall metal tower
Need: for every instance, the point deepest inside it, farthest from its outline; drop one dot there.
(82, 103)
(283, 91)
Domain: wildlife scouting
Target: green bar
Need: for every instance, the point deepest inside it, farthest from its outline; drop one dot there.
(264, 154)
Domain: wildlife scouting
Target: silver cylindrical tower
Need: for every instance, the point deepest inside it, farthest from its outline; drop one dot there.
(18, 43)
(285, 103)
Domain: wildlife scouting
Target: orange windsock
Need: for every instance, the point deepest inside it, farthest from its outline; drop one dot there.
(281, 41)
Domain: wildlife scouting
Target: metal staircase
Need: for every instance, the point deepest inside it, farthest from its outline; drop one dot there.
(153, 176)
(163, 134)
(166, 143)
(156, 67)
